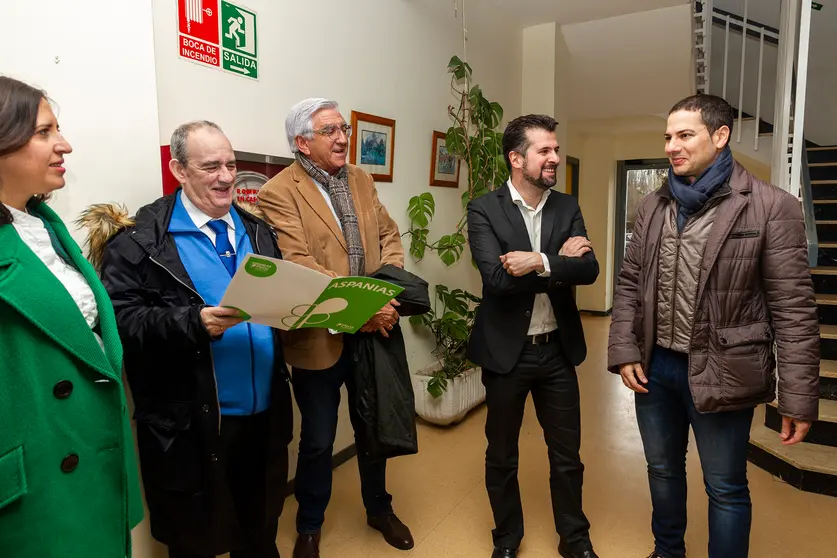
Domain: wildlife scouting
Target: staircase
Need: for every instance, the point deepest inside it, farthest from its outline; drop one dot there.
(812, 465)
(802, 168)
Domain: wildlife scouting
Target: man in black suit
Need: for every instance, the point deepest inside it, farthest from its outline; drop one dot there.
(528, 335)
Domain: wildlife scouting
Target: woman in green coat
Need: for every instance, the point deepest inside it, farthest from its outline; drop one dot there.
(68, 479)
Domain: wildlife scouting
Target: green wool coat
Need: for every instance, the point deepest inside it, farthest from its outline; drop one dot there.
(68, 475)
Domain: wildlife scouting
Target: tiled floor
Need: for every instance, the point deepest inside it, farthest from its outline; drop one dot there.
(440, 492)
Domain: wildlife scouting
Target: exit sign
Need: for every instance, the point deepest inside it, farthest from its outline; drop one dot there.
(816, 5)
(219, 34)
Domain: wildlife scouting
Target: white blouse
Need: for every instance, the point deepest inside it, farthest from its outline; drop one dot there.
(34, 234)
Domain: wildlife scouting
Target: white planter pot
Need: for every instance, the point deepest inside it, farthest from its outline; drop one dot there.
(463, 394)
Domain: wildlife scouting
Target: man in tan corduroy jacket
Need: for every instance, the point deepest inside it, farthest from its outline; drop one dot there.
(328, 217)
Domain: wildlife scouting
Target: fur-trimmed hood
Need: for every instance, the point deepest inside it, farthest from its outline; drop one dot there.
(103, 221)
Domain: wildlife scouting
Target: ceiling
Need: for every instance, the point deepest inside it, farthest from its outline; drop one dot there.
(534, 12)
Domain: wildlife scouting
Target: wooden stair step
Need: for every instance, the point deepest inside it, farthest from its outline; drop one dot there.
(824, 202)
(827, 244)
(826, 222)
(827, 299)
(824, 270)
(804, 456)
(828, 410)
(823, 182)
(822, 164)
(827, 148)
(828, 331)
(828, 368)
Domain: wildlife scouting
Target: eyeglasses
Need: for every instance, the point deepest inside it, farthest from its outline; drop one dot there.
(332, 131)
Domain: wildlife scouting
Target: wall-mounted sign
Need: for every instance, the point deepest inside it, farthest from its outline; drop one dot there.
(219, 34)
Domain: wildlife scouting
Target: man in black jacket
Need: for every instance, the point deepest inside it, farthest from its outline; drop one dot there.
(531, 247)
(212, 398)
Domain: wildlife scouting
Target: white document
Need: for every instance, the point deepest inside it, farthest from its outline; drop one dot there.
(287, 296)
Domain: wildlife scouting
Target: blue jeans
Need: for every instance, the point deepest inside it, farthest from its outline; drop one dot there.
(317, 395)
(664, 415)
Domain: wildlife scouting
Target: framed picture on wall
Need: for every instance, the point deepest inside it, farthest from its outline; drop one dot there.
(444, 166)
(373, 145)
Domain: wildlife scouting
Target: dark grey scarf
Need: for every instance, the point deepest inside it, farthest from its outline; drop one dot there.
(338, 190)
(692, 197)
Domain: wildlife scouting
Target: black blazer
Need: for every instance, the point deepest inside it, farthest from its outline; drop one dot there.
(496, 227)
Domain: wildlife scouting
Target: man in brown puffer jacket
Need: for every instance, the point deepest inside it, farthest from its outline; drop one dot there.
(715, 275)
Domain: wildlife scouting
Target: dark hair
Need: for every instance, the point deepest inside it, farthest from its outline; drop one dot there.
(515, 137)
(19, 105)
(714, 111)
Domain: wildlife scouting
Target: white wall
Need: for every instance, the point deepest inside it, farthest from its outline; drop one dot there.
(100, 73)
(563, 99)
(637, 64)
(546, 81)
(538, 85)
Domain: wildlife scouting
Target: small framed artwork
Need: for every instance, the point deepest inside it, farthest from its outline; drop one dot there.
(444, 166)
(373, 145)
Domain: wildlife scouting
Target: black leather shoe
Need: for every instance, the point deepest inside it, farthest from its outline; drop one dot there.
(307, 546)
(565, 551)
(655, 555)
(395, 533)
(500, 552)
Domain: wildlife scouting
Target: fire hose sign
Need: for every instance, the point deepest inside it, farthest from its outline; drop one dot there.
(218, 34)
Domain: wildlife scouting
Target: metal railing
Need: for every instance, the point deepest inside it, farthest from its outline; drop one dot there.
(808, 212)
(806, 191)
(748, 28)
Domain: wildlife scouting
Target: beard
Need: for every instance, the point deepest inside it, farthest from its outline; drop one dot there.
(541, 181)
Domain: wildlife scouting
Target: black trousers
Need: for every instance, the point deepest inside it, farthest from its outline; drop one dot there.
(244, 455)
(545, 371)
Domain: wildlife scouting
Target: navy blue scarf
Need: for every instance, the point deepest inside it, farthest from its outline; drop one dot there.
(692, 197)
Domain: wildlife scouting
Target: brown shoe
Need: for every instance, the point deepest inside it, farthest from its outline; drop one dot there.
(395, 533)
(307, 546)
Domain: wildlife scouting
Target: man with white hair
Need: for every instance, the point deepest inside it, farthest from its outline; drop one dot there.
(329, 218)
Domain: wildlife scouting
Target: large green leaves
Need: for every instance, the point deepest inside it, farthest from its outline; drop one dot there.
(455, 142)
(418, 243)
(421, 209)
(474, 139)
(451, 247)
(459, 69)
(450, 321)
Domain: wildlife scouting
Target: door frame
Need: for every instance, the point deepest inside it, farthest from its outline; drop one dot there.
(576, 165)
(622, 168)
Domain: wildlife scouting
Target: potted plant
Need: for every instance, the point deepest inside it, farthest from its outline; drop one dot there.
(475, 141)
(452, 386)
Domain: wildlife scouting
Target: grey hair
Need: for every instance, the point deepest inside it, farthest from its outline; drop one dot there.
(299, 119)
(181, 134)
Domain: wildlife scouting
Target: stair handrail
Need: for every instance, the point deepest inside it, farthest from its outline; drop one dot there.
(806, 191)
(808, 211)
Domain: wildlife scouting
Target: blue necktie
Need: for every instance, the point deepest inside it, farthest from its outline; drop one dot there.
(222, 244)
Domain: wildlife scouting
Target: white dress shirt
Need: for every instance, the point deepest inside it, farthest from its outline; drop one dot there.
(201, 219)
(327, 197)
(543, 318)
(34, 234)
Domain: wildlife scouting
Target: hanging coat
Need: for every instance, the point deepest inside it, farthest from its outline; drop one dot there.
(384, 397)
